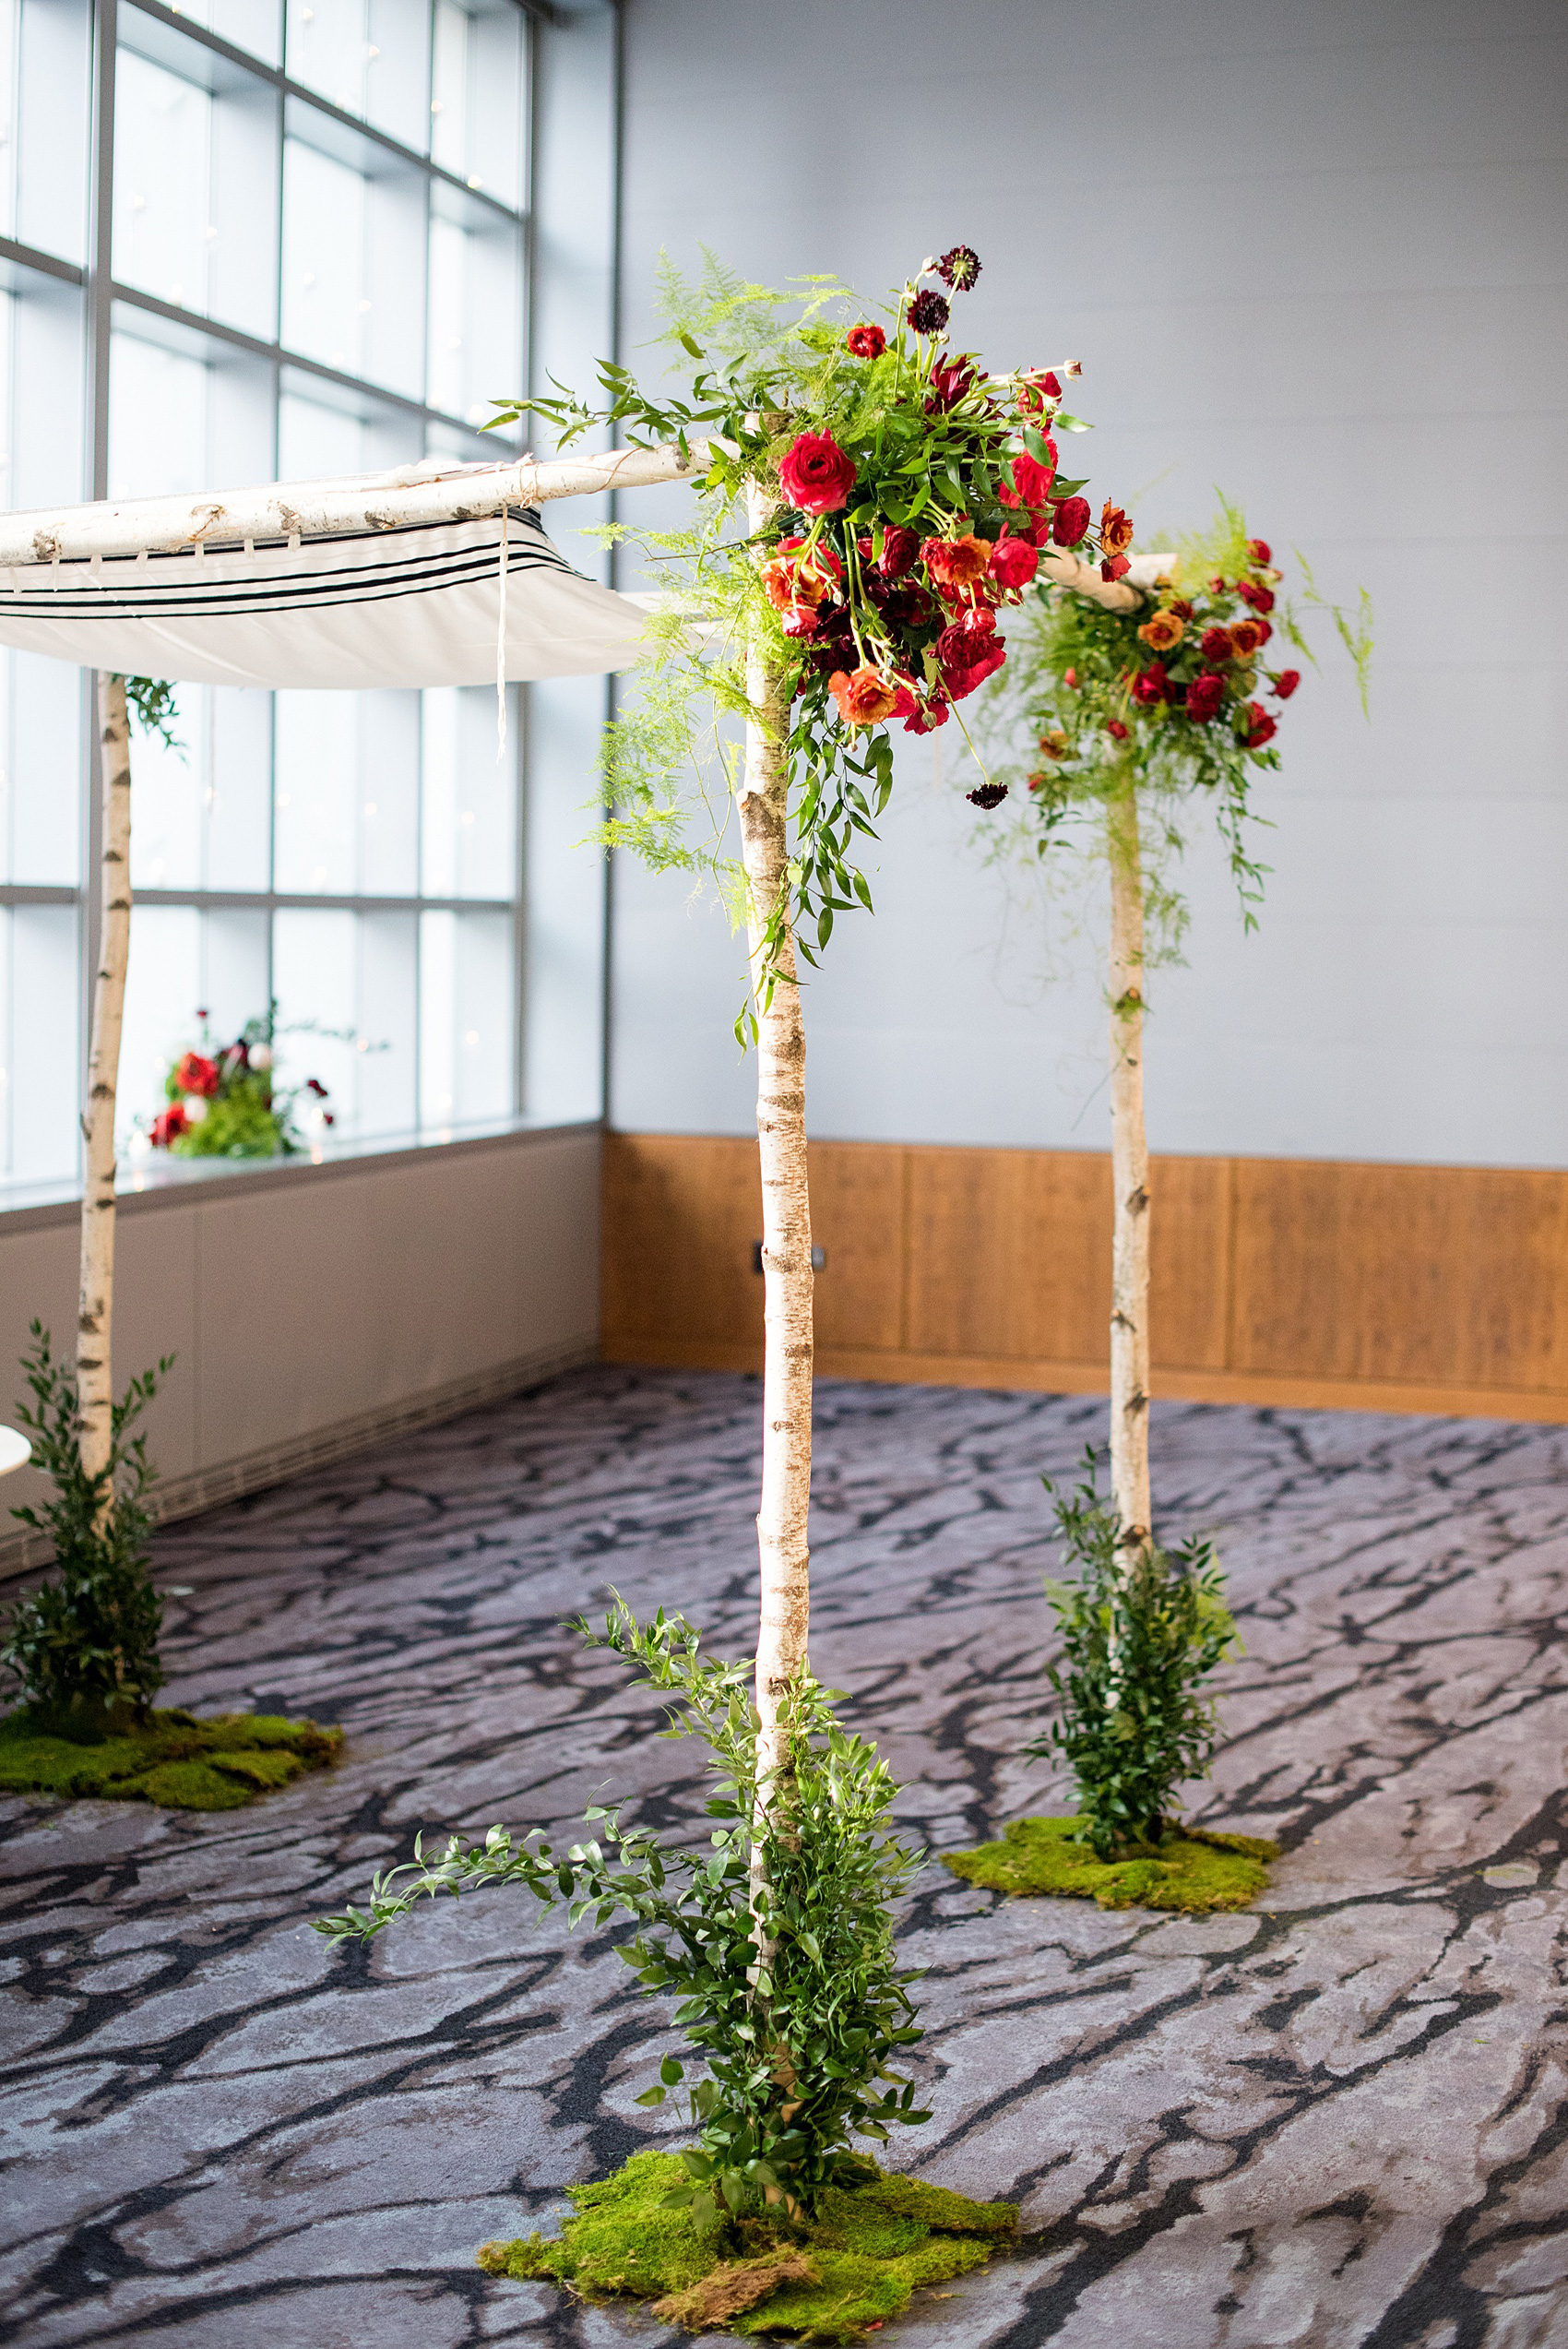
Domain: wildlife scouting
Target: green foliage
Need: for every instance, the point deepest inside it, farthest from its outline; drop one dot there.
(797, 2007)
(854, 2262)
(1193, 1872)
(168, 1758)
(151, 701)
(934, 457)
(84, 1645)
(223, 1103)
(1143, 1629)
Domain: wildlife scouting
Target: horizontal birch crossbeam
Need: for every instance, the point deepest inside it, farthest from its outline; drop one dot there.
(289, 510)
(426, 494)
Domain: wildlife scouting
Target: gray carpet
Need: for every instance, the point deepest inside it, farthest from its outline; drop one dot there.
(1340, 2120)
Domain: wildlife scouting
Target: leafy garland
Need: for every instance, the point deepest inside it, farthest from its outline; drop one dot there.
(910, 493)
(1180, 694)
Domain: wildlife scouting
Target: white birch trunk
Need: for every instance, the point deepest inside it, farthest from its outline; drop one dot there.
(95, 1376)
(786, 1214)
(1129, 1160)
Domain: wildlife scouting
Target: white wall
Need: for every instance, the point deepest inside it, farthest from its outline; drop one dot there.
(1314, 251)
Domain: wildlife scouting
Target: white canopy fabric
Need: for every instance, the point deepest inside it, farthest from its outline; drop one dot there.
(412, 604)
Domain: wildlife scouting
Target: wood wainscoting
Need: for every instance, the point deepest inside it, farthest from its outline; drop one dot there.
(1438, 1288)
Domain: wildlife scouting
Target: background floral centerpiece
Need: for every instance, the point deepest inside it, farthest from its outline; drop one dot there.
(223, 1103)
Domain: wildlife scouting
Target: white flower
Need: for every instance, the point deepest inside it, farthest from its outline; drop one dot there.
(194, 1107)
(261, 1055)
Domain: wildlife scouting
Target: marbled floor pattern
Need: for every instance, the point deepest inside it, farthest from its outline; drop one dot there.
(1340, 2120)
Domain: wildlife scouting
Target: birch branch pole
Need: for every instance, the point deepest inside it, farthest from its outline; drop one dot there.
(1129, 1166)
(783, 1556)
(95, 1302)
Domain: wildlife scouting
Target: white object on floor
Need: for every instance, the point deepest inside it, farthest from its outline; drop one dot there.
(15, 1450)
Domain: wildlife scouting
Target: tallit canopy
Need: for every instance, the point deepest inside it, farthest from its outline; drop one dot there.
(384, 580)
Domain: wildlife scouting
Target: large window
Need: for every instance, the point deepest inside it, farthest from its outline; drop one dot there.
(310, 260)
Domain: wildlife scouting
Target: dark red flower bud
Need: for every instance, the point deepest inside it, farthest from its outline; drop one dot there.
(1285, 683)
(1115, 726)
(1260, 598)
(1259, 550)
(1151, 684)
(1072, 521)
(1262, 728)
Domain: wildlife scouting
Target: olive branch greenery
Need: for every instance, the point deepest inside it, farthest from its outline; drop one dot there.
(762, 367)
(785, 1977)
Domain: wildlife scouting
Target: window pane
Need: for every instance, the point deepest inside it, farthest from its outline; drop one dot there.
(370, 57)
(163, 231)
(238, 789)
(157, 421)
(476, 106)
(162, 997)
(466, 1053)
(252, 25)
(475, 309)
(353, 973)
(167, 799)
(41, 767)
(53, 55)
(353, 240)
(39, 990)
(468, 794)
(322, 430)
(348, 793)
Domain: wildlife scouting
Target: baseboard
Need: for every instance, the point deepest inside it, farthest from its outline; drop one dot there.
(1010, 1373)
(231, 1480)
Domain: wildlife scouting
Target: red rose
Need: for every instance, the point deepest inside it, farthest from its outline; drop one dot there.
(1204, 696)
(1033, 479)
(1072, 521)
(1151, 684)
(1285, 683)
(1259, 550)
(967, 657)
(1014, 562)
(1115, 566)
(900, 551)
(1264, 629)
(865, 343)
(1260, 598)
(167, 1125)
(1262, 728)
(815, 475)
(800, 620)
(1215, 644)
(957, 564)
(196, 1074)
(864, 695)
(1115, 726)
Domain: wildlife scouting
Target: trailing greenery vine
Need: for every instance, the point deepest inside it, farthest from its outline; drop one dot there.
(784, 1976)
(909, 495)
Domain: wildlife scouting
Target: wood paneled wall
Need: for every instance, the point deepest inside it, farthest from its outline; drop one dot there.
(1391, 1288)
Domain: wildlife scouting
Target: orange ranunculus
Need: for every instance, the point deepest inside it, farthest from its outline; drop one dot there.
(1164, 632)
(791, 578)
(957, 564)
(864, 695)
(1054, 745)
(1245, 637)
(1116, 531)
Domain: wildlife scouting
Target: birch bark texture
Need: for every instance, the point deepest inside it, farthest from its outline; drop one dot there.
(1129, 1164)
(95, 1301)
(783, 1557)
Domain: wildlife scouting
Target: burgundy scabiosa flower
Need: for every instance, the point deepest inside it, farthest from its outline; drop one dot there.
(929, 313)
(960, 267)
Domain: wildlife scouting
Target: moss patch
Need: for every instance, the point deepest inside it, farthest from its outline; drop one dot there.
(1196, 1872)
(171, 1759)
(853, 2265)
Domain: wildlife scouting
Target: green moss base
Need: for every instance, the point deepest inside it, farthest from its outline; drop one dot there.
(1194, 1872)
(830, 2278)
(171, 1759)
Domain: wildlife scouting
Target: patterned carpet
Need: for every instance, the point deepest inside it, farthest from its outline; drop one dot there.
(1341, 2120)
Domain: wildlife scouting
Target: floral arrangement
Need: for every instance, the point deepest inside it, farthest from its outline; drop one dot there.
(1187, 690)
(222, 1102)
(907, 498)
